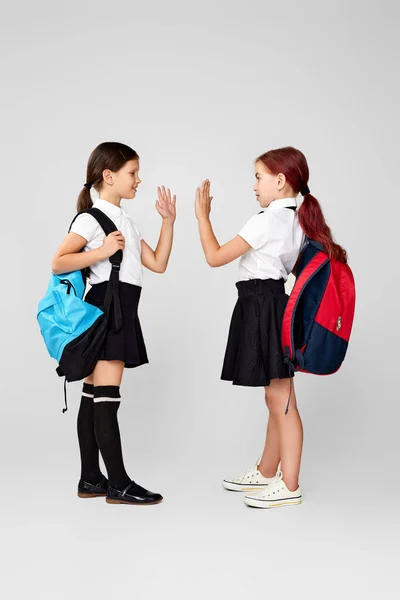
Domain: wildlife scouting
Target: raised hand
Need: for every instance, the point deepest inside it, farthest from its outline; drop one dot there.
(165, 205)
(203, 200)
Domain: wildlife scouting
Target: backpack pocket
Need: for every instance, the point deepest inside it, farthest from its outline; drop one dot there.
(324, 352)
(51, 312)
(63, 317)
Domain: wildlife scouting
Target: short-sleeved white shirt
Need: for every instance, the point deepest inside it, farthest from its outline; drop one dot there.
(131, 265)
(276, 240)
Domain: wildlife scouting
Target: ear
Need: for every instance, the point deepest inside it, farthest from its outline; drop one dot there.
(108, 176)
(281, 181)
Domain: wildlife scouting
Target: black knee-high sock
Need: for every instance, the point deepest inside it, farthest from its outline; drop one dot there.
(108, 438)
(90, 469)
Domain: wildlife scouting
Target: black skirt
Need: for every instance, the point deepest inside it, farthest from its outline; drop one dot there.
(127, 344)
(254, 352)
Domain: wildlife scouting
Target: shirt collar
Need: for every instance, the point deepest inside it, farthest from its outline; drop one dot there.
(108, 207)
(280, 203)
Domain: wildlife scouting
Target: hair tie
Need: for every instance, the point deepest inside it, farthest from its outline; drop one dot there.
(87, 185)
(305, 190)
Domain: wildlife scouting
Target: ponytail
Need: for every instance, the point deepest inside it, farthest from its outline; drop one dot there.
(312, 221)
(84, 200)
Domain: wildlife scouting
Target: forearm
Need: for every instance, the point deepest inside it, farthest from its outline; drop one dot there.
(75, 261)
(164, 245)
(208, 240)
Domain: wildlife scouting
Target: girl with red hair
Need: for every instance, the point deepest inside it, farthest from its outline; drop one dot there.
(269, 245)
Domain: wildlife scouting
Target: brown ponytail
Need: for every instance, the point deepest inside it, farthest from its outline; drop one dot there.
(84, 200)
(108, 155)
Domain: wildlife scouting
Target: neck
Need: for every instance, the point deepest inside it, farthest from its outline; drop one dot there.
(283, 197)
(110, 197)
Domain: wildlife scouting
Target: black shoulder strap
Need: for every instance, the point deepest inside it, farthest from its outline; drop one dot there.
(107, 226)
(105, 222)
(112, 292)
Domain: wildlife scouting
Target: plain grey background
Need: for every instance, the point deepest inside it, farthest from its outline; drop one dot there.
(199, 90)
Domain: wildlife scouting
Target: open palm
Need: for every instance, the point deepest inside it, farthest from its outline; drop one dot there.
(165, 205)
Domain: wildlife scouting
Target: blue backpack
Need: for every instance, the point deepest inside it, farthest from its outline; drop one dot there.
(74, 330)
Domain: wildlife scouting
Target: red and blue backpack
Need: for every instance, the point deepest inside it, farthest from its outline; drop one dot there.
(319, 313)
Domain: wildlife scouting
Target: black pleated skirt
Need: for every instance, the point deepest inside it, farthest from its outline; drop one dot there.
(254, 352)
(127, 344)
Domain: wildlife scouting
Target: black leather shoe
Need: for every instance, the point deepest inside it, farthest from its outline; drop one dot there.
(91, 490)
(132, 494)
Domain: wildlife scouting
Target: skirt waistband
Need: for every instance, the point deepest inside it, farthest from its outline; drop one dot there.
(260, 287)
(129, 293)
(128, 288)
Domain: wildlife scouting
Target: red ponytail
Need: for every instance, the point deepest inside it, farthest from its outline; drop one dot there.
(312, 221)
(293, 164)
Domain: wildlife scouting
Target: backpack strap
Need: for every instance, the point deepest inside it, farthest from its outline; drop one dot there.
(309, 240)
(112, 292)
(317, 245)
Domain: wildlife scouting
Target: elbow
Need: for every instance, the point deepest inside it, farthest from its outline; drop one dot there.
(160, 269)
(212, 263)
(55, 267)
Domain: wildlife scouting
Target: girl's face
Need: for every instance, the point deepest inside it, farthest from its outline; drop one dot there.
(127, 180)
(269, 187)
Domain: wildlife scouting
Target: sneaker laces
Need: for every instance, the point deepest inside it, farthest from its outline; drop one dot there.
(250, 472)
(273, 487)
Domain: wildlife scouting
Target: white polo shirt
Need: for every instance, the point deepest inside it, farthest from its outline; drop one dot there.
(276, 239)
(131, 265)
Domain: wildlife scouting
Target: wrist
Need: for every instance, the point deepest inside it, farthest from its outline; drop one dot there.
(98, 254)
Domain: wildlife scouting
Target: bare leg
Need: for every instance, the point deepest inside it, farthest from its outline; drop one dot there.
(107, 372)
(290, 429)
(271, 456)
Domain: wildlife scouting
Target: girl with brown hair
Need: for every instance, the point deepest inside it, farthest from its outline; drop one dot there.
(113, 171)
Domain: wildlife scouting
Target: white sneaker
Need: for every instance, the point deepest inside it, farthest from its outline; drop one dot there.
(251, 480)
(275, 495)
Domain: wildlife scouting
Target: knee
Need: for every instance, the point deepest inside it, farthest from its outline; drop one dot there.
(277, 401)
(274, 403)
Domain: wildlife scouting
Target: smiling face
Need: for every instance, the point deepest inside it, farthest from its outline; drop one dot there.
(126, 180)
(270, 187)
(122, 183)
